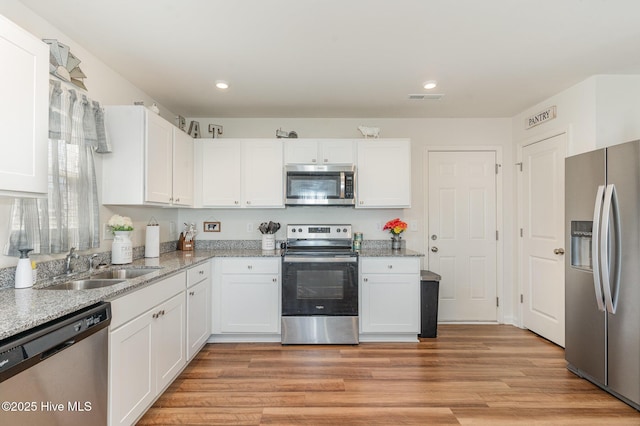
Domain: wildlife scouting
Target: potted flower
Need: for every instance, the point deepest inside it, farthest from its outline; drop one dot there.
(122, 248)
(396, 227)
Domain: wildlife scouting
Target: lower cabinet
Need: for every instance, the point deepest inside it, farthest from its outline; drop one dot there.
(390, 297)
(246, 296)
(198, 308)
(153, 332)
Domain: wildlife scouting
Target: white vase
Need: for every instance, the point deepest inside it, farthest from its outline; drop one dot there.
(121, 249)
(268, 241)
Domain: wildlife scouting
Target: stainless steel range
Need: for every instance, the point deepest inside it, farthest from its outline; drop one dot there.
(319, 286)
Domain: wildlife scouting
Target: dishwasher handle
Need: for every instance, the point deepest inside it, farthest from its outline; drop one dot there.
(33, 346)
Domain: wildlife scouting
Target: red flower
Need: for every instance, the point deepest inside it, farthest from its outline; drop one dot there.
(395, 226)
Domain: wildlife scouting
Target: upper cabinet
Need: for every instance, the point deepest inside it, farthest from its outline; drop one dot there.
(24, 116)
(239, 173)
(151, 163)
(384, 173)
(319, 151)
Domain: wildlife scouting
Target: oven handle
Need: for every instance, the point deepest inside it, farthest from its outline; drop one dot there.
(323, 259)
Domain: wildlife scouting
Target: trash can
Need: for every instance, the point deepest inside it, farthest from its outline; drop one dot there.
(429, 288)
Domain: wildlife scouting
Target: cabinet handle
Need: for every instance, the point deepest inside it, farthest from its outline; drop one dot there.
(366, 280)
(170, 198)
(361, 202)
(236, 202)
(154, 316)
(201, 272)
(275, 280)
(248, 202)
(249, 267)
(162, 312)
(390, 266)
(191, 293)
(177, 200)
(313, 160)
(326, 160)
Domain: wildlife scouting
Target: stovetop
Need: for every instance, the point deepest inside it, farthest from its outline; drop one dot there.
(327, 240)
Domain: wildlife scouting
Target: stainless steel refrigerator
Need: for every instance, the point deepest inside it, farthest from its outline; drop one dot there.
(602, 288)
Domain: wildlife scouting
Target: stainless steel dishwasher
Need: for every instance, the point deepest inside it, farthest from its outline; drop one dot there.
(57, 373)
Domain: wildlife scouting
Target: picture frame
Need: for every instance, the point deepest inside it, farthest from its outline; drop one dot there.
(211, 226)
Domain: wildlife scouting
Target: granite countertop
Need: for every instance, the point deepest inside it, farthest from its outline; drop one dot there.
(23, 309)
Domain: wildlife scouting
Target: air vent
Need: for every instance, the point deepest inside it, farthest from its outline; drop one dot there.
(426, 97)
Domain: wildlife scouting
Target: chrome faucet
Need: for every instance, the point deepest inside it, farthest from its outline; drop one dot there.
(91, 259)
(71, 255)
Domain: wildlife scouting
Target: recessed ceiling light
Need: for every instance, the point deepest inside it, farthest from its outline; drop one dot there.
(431, 84)
(221, 84)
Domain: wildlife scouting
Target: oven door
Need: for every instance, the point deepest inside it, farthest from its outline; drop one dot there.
(323, 285)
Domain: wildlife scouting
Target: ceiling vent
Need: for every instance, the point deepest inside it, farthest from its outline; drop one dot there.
(426, 97)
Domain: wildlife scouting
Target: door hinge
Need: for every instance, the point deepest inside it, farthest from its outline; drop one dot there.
(497, 235)
(521, 232)
(497, 302)
(522, 298)
(519, 164)
(497, 167)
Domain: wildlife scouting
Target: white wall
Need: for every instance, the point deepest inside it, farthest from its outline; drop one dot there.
(618, 109)
(105, 86)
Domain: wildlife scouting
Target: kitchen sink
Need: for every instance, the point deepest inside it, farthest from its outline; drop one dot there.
(123, 273)
(87, 284)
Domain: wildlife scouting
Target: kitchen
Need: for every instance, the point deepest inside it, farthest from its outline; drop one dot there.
(576, 105)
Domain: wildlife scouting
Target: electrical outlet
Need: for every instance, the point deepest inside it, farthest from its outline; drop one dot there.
(249, 227)
(378, 226)
(413, 225)
(106, 232)
(172, 229)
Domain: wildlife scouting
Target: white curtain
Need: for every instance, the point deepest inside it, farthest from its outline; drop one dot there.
(69, 216)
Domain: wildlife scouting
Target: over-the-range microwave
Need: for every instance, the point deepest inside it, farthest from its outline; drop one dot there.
(320, 185)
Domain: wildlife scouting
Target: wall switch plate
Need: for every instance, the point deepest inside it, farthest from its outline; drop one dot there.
(413, 225)
(249, 227)
(106, 232)
(172, 229)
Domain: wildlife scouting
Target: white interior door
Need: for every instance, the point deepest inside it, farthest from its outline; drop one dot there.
(543, 238)
(462, 233)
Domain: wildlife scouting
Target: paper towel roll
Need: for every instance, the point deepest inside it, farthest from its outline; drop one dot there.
(152, 242)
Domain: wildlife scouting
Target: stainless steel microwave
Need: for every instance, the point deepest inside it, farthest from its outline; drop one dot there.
(320, 185)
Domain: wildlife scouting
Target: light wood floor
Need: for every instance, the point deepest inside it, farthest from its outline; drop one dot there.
(469, 374)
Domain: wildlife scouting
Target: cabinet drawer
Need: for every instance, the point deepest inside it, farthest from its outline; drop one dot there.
(133, 304)
(250, 265)
(390, 265)
(198, 273)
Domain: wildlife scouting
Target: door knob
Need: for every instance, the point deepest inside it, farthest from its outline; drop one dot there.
(434, 249)
(558, 251)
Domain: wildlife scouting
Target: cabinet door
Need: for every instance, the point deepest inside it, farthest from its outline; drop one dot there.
(169, 340)
(337, 151)
(198, 318)
(384, 173)
(249, 303)
(220, 169)
(262, 168)
(182, 168)
(23, 112)
(301, 151)
(159, 162)
(390, 303)
(132, 381)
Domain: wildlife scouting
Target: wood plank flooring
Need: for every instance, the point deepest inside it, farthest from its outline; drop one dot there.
(468, 375)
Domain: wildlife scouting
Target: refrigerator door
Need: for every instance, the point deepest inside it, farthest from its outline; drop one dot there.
(585, 340)
(623, 171)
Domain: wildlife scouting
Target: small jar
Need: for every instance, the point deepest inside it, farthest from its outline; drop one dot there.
(357, 244)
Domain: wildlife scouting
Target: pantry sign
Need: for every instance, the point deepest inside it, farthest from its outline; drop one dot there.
(541, 117)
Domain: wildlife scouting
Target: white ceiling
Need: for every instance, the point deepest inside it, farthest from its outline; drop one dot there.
(353, 58)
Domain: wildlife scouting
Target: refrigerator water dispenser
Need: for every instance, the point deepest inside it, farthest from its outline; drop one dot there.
(581, 232)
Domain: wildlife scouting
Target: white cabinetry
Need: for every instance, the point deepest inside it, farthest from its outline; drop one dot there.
(384, 173)
(198, 311)
(150, 156)
(239, 173)
(318, 151)
(246, 297)
(24, 115)
(390, 298)
(146, 347)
